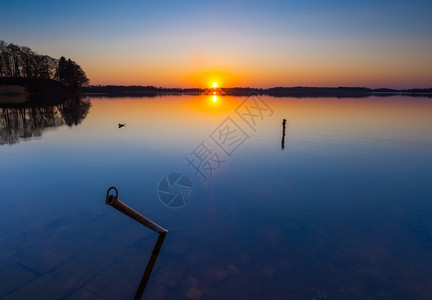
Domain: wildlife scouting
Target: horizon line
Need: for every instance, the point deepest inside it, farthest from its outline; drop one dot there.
(259, 88)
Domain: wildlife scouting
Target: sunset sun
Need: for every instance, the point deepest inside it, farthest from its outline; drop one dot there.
(214, 84)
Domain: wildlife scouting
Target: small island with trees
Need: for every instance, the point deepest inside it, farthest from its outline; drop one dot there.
(25, 72)
(38, 92)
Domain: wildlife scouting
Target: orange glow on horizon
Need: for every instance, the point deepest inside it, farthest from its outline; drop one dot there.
(302, 72)
(297, 64)
(308, 77)
(214, 78)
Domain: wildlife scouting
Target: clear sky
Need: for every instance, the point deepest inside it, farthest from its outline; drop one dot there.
(237, 43)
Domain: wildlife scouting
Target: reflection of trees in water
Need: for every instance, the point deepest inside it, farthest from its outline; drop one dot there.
(18, 123)
(74, 111)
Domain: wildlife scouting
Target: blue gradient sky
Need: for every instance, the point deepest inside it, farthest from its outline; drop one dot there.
(241, 43)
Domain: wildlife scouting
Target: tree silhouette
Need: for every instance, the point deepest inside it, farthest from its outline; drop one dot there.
(22, 62)
(70, 73)
(14, 58)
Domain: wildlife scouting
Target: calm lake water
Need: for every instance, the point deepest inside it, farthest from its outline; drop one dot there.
(344, 211)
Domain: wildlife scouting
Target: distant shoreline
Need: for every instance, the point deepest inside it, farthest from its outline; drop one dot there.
(51, 89)
(297, 92)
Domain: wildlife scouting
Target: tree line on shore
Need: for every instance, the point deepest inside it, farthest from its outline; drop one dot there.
(22, 62)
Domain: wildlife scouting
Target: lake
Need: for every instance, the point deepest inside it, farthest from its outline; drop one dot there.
(342, 211)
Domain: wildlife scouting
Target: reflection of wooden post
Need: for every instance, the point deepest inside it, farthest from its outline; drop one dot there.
(283, 133)
(117, 204)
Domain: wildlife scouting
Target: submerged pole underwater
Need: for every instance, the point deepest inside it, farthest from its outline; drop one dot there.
(146, 276)
(113, 201)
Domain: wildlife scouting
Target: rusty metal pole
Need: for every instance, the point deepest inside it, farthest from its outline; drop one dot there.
(117, 204)
(113, 201)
